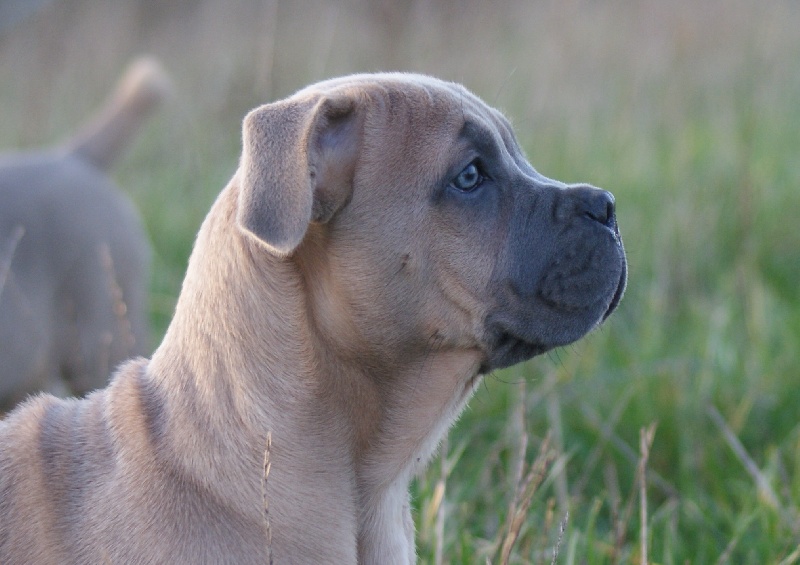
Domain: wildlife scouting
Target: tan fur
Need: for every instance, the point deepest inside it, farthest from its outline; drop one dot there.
(74, 253)
(343, 297)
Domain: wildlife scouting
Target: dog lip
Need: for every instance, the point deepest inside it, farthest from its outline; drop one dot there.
(508, 348)
(619, 292)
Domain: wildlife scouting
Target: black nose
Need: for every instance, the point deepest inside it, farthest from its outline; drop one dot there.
(587, 202)
(599, 206)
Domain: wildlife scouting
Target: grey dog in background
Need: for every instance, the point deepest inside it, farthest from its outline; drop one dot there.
(382, 245)
(74, 256)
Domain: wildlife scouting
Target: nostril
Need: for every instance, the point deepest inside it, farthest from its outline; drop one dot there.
(600, 207)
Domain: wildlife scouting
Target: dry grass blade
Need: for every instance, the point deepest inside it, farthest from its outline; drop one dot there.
(615, 501)
(765, 490)
(792, 558)
(264, 498)
(645, 442)
(606, 428)
(517, 433)
(523, 497)
(561, 530)
(555, 423)
(549, 514)
(593, 418)
(725, 556)
(8, 254)
(621, 523)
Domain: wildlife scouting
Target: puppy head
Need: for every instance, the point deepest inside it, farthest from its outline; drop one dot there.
(418, 222)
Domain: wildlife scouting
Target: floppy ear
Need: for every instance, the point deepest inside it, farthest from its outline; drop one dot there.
(298, 162)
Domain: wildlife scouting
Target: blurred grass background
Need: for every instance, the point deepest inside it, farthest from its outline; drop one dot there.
(688, 111)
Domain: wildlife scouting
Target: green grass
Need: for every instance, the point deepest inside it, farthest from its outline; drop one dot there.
(688, 112)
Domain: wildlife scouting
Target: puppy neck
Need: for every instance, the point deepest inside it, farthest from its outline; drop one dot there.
(233, 303)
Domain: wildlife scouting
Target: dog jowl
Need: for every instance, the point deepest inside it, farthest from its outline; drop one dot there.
(383, 243)
(564, 271)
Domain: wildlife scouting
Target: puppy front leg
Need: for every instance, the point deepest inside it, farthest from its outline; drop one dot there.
(386, 532)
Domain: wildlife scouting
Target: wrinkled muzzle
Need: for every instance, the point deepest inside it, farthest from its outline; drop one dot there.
(564, 272)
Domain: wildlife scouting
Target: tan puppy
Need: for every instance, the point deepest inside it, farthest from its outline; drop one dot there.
(74, 255)
(383, 243)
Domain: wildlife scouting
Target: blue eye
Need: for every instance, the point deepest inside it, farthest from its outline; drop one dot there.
(469, 179)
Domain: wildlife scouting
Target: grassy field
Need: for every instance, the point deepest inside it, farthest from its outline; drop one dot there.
(672, 434)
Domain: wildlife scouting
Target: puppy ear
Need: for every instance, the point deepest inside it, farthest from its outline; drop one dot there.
(298, 162)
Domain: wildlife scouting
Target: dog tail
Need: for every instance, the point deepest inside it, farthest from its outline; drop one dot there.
(139, 92)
